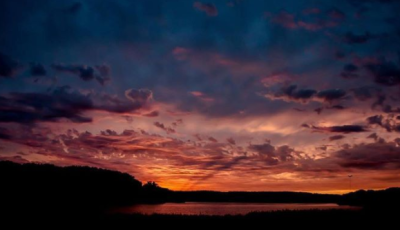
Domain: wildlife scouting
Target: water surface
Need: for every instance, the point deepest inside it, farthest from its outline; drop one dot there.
(194, 208)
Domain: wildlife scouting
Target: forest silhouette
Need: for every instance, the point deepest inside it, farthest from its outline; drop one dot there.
(82, 191)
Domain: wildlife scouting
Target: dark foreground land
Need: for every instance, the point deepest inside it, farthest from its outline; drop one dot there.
(308, 219)
(37, 194)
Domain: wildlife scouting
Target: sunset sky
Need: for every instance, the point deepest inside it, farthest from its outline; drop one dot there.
(206, 95)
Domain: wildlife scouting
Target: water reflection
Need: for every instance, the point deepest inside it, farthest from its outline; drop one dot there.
(222, 208)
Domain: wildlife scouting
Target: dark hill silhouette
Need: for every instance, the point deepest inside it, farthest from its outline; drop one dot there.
(49, 187)
(370, 199)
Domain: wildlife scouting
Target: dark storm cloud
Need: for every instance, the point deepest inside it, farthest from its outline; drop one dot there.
(376, 94)
(385, 72)
(121, 33)
(365, 93)
(208, 8)
(33, 107)
(115, 104)
(58, 104)
(370, 156)
(339, 55)
(331, 95)
(375, 120)
(335, 107)
(104, 74)
(351, 38)
(388, 122)
(337, 129)
(390, 109)
(139, 95)
(336, 137)
(291, 93)
(8, 66)
(86, 73)
(350, 71)
(37, 70)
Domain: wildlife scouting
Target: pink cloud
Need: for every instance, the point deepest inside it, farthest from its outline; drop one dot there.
(208, 62)
(292, 21)
(180, 53)
(285, 19)
(202, 96)
(208, 8)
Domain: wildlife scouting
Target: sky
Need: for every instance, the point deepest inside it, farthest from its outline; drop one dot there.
(229, 95)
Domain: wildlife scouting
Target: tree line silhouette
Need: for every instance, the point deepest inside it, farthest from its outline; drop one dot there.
(85, 189)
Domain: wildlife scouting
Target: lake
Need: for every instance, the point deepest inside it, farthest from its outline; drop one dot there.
(194, 208)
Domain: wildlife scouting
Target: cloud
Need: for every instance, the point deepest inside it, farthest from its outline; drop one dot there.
(58, 104)
(87, 73)
(8, 66)
(208, 8)
(285, 19)
(310, 19)
(313, 10)
(337, 129)
(350, 71)
(104, 73)
(202, 96)
(140, 96)
(212, 139)
(272, 155)
(336, 107)
(37, 70)
(331, 95)
(390, 109)
(370, 156)
(154, 113)
(385, 72)
(33, 107)
(168, 130)
(336, 14)
(388, 122)
(365, 93)
(291, 93)
(231, 141)
(181, 53)
(351, 38)
(145, 151)
(4, 133)
(373, 136)
(336, 137)
(376, 138)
